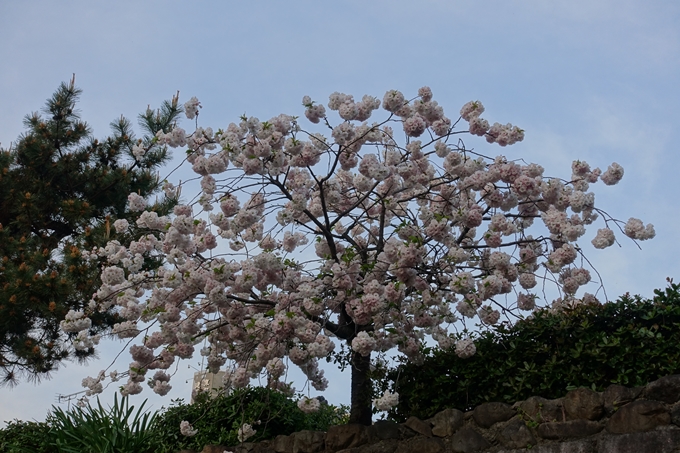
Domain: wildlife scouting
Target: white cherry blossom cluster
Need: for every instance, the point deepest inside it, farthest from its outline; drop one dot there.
(309, 405)
(635, 229)
(186, 429)
(502, 134)
(138, 150)
(297, 238)
(191, 108)
(94, 385)
(121, 225)
(136, 202)
(387, 401)
(245, 432)
(465, 348)
(75, 321)
(363, 343)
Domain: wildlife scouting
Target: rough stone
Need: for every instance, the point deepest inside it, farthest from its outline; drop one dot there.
(616, 396)
(283, 444)
(250, 447)
(488, 414)
(572, 429)
(583, 403)
(666, 389)
(384, 446)
(406, 433)
(419, 426)
(539, 410)
(675, 414)
(384, 429)
(348, 436)
(421, 445)
(214, 449)
(467, 440)
(516, 434)
(640, 415)
(446, 422)
(308, 441)
(665, 441)
(579, 446)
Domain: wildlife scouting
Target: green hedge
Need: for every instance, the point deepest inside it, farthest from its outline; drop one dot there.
(24, 437)
(218, 420)
(630, 342)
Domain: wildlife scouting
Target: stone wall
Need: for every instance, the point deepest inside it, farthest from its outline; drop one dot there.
(618, 420)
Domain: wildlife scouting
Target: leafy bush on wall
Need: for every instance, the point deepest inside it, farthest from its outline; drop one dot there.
(24, 437)
(630, 342)
(218, 420)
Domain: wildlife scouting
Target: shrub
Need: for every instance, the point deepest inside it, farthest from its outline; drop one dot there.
(630, 342)
(217, 420)
(82, 430)
(25, 437)
(96, 430)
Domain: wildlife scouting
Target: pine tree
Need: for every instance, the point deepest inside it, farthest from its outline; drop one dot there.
(61, 190)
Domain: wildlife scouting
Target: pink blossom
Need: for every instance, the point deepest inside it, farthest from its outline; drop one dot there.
(605, 238)
(393, 101)
(478, 126)
(613, 174)
(387, 401)
(406, 233)
(414, 126)
(186, 429)
(191, 108)
(635, 229)
(136, 202)
(471, 110)
(465, 348)
(309, 405)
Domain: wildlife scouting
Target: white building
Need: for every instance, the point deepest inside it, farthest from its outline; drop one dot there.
(205, 381)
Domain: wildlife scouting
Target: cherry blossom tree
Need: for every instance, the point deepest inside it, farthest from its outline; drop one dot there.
(380, 235)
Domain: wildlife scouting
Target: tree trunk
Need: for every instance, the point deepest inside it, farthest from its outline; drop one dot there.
(361, 406)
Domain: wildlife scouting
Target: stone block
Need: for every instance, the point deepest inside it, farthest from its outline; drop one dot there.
(616, 396)
(659, 441)
(539, 410)
(488, 414)
(467, 440)
(384, 429)
(516, 434)
(308, 441)
(384, 446)
(446, 422)
(215, 449)
(579, 446)
(419, 426)
(675, 414)
(572, 429)
(283, 444)
(638, 416)
(250, 447)
(421, 445)
(348, 436)
(583, 403)
(666, 389)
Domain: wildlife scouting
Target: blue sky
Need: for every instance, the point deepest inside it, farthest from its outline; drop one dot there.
(595, 80)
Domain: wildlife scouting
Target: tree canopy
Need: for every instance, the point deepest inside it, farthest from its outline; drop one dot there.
(360, 236)
(61, 190)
